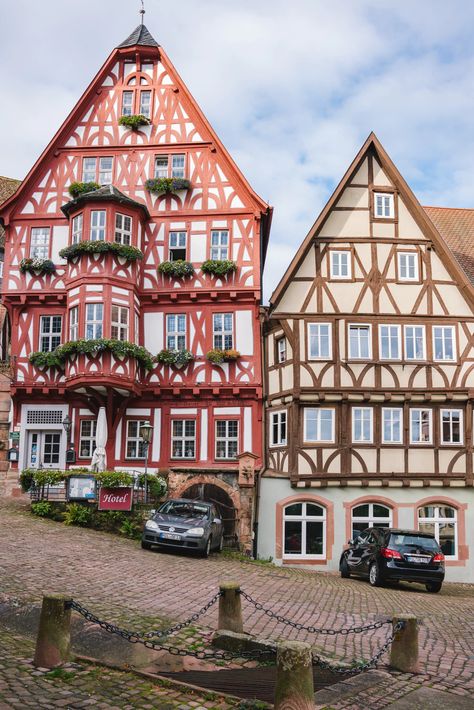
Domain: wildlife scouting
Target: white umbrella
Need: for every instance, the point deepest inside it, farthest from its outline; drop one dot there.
(99, 460)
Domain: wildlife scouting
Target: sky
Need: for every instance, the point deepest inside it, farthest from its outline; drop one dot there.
(292, 88)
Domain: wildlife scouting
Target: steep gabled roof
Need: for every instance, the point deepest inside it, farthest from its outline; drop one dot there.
(107, 193)
(414, 207)
(8, 187)
(139, 36)
(456, 227)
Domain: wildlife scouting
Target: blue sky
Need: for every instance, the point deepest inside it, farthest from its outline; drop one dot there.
(293, 89)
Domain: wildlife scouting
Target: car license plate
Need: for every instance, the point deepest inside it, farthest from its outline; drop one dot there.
(423, 560)
(169, 536)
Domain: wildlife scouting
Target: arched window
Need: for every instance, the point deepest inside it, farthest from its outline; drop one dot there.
(370, 515)
(304, 531)
(441, 521)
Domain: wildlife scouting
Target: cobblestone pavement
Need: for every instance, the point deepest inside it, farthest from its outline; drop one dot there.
(118, 580)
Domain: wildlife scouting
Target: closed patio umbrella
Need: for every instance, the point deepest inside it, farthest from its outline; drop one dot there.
(99, 461)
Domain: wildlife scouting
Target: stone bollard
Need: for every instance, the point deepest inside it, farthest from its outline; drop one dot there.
(294, 688)
(54, 633)
(404, 651)
(230, 608)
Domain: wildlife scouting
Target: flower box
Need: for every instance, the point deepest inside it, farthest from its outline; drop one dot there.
(162, 186)
(99, 247)
(92, 348)
(134, 122)
(37, 266)
(217, 357)
(176, 358)
(76, 189)
(178, 269)
(218, 267)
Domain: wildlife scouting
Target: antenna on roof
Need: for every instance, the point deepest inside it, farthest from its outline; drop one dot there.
(142, 11)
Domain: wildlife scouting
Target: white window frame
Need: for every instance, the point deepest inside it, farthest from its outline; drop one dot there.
(387, 200)
(89, 169)
(184, 438)
(371, 519)
(136, 440)
(105, 175)
(405, 267)
(399, 342)
(412, 412)
(360, 326)
(89, 438)
(224, 334)
(281, 350)
(423, 330)
(96, 323)
(127, 102)
(176, 337)
(219, 250)
(77, 228)
(451, 410)
(314, 332)
(49, 334)
(364, 411)
(438, 520)
(278, 426)
(98, 225)
(227, 439)
(122, 328)
(145, 106)
(74, 323)
(123, 228)
(173, 168)
(177, 239)
(336, 265)
(444, 328)
(304, 519)
(318, 439)
(391, 410)
(39, 242)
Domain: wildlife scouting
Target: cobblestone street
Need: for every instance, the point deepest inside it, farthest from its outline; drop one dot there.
(114, 578)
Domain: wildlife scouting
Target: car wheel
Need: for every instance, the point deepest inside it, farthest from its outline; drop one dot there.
(344, 569)
(433, 587)
(207, 550)
(146, 545)
(374, 575)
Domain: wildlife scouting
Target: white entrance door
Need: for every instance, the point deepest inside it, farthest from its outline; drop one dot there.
(44, 449)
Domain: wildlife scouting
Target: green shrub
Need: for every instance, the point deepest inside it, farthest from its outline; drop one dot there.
(178, 269)
(27, 479)
(130, 528)
(134, 122)
(175, 357)
(42, 508)
(157, 485)
(162, 186)
(114, 479)
(80, 188)
(218, 267)
(48, 477)
(121, 348)
(77, 514)
(101, 247)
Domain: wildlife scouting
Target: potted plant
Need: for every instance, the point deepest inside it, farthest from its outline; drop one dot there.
(218, 267)
(37, 266)
(176, 358)
(80, 188)
(134, 122)
(178, 269)
(92, 348)
(99, 247)
(162, 186)
(217, 357)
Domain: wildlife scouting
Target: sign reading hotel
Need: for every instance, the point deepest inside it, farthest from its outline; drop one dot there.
(115, 498)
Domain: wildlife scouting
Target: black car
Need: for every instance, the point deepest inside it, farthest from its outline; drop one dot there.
(184, 524)
(385, 554)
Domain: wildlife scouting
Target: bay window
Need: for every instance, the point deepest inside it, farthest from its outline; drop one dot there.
(123, 229)
(97, 231)
(77, 225)
(94, 321)
(119, 323)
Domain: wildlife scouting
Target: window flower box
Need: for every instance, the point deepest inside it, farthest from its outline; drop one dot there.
(99, 247)
(217, 267)
(37, 266)
(164, 186)
(92, 348)
(134, 122)
(76, 189)
(176, 358)
(179, 269)
(217, 357)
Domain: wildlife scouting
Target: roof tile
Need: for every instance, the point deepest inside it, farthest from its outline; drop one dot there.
(456, 227)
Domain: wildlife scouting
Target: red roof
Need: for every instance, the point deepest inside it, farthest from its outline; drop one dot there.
(456, 227)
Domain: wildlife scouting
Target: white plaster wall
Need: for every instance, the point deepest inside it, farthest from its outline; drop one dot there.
(244, 332)
(153, 331)
(59, 241)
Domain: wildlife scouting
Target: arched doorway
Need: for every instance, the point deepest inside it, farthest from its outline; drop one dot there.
(222, 501)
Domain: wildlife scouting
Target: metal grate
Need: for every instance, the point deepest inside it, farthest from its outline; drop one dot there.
(44, 416)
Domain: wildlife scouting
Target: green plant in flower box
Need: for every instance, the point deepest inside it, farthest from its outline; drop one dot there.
(101, 247)
(178, 269)
(81, 188)
(217, 267)
(217, 357)
(179, 358)
(120, 348)
(134, 122)
(39, 266)
(165, 186)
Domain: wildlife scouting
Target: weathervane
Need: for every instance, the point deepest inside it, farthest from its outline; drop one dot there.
(142, 11)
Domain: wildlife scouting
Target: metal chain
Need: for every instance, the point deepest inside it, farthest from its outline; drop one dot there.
(364, 665)
(314, 629)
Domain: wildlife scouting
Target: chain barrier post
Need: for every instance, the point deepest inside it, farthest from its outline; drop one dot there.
(230, 608)
(404, 650)
(53, 642)
(294, 688)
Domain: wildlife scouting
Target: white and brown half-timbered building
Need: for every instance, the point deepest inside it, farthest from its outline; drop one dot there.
(167, 198)
(369, 359)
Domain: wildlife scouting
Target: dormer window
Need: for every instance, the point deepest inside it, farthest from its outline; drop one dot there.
(170, 166)
(97, 170)
(97, 233)
(177, 246)
(123, 229)
(383, 205)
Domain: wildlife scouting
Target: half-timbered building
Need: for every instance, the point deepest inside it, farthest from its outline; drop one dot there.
(369, 352)
(163, 197)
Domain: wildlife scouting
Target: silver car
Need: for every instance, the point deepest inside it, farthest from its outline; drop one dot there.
(184, 524)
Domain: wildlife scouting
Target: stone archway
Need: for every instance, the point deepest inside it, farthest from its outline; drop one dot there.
(226, 500)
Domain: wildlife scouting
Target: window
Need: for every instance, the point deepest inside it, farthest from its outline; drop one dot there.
(94, 318)
(392, 419)
(97, 170)
(77, 224)
(176, 332)
(39, 246)
(127, 103)
(340, 264)
(177, 241)
(89, 169)
(389, 342)
(50, 332)
(443, 342)
(74, 323)
(319, 425)
(87, 438)
(415, 342)
(135, 444)
(319, 338)
(370, 515)
(119, 323)
(123, 229)
(145, 103)
(420, 426)
(219, 244)
(452, 426)
(304, 530)
(408, 266)
(440, 521)
(227, 438)
(223, 331)
(97, 226)
(383, 205)
(281, 350)
(170, 166)
(183, 439)
(105, 171)
(360, 346)
(278, 429)
(362, 418)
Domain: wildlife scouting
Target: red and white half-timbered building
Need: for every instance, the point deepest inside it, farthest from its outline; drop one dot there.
(204, 414)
